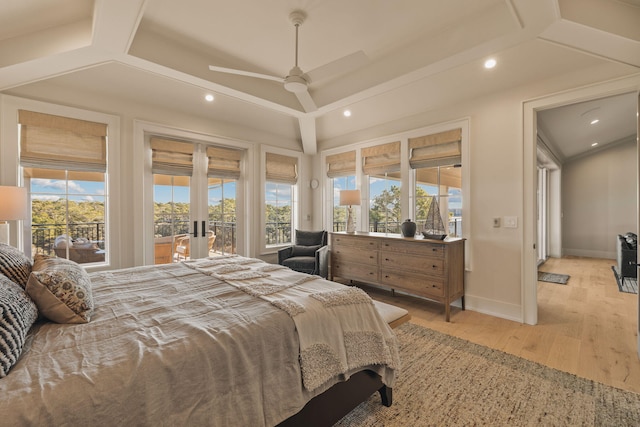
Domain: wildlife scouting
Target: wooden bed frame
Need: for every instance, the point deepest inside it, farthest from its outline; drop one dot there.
(331, 406)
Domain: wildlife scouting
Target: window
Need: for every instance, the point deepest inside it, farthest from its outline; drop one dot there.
(281, 179)
(64, 162)
(437, 164)
(382, 164)
(341, 168)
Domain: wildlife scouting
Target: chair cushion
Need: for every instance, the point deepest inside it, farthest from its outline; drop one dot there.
(309, 238)
(303, 264)
(300, 250)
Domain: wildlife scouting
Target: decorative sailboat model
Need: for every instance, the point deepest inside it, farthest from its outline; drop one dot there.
(433, 225)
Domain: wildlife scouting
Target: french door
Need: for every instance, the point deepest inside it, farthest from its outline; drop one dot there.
(181, 226)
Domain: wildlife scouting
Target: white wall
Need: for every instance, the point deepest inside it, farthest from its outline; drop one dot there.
(599, 201)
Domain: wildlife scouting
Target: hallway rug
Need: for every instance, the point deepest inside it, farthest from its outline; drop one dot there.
(628, 285)
(552, 277)
(447, 381)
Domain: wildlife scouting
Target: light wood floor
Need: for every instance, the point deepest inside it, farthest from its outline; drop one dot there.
(586, 327)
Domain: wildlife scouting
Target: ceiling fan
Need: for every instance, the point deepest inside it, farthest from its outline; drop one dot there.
(298, 81)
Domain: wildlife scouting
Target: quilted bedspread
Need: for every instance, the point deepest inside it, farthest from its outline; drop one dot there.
(210, 342)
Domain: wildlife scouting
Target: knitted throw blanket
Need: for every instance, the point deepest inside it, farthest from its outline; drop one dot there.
(339, 329)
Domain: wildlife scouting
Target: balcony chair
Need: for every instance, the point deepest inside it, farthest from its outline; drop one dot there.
(81, 250)
(182, 246)
(309, 254)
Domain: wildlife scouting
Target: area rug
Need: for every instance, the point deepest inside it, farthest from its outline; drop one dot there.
(447, 381)
(552, 277)
(628, 285)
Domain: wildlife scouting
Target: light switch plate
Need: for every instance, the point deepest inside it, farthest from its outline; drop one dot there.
(510, 221)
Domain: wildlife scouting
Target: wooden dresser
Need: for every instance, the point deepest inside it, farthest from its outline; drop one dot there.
(433, 269)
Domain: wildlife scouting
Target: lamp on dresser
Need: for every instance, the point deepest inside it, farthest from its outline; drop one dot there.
(349, 198)
(13, 206)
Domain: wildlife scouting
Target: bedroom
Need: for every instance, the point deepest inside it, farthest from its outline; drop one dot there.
(141, 75)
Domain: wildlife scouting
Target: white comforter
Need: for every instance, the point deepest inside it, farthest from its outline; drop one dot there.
(174, 345)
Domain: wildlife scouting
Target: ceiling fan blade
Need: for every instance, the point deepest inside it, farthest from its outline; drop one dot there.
(339, 66)
(245, 73)
(306, 101)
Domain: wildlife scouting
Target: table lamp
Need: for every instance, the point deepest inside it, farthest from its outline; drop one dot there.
(13, 206)
(349, 198)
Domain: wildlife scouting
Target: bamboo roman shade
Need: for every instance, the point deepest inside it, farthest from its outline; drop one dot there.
(56, 142)
(381, 159)
(170, 157)
(342, 164)
(281, 168)
(223, 162)
(438, 149)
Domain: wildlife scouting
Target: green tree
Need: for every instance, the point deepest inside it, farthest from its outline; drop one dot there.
(384, 213)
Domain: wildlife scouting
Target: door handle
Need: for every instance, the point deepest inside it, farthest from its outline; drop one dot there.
(204, 233)
(195, 228)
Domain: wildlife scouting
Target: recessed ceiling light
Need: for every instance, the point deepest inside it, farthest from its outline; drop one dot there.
(209, 97)
(490, 63)
(594, 121)
(347, 113)
(594, 144)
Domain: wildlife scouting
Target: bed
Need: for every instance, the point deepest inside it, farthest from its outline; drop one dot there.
(219, 341)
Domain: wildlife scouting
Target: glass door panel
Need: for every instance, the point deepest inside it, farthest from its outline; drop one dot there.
(222, 216)
(171, 218)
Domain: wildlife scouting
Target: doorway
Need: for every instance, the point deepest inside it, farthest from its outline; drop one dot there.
(530, 217)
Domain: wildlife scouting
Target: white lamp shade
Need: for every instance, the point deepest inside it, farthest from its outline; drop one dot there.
(349, 197)
(13, 203)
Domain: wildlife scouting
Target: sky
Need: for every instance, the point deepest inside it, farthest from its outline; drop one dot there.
(54, 189)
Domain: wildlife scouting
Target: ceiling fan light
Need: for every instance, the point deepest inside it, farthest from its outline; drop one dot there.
(295, 84)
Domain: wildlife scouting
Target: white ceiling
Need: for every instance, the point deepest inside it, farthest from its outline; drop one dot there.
(422, 55)
(570, 133)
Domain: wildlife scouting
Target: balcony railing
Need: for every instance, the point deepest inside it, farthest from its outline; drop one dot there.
(455, 226)
(43, 236)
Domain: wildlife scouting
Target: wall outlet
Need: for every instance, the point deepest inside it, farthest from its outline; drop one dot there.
(510, 222)
(496, 222)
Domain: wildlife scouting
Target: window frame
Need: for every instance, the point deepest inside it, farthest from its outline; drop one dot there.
(295, 196)
(12, 172)
(407, 177)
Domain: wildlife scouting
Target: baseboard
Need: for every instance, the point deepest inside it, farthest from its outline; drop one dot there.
(589, 253)
(494, 308)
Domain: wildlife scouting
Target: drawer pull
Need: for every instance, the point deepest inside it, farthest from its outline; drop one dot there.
(386, 259)
(434, 249)
(434, 266)
(370, 256)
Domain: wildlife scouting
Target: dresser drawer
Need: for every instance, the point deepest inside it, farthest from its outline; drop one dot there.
(417, 263)
(359, 243)
(430, 287)
(345, 254)
(365, 273)
(414, 247)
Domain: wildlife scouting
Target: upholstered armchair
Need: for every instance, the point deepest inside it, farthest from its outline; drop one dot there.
(309, 254)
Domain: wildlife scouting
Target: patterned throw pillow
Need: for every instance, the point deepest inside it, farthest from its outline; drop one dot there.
(17, 314)
(61, 289)
(14, 264)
